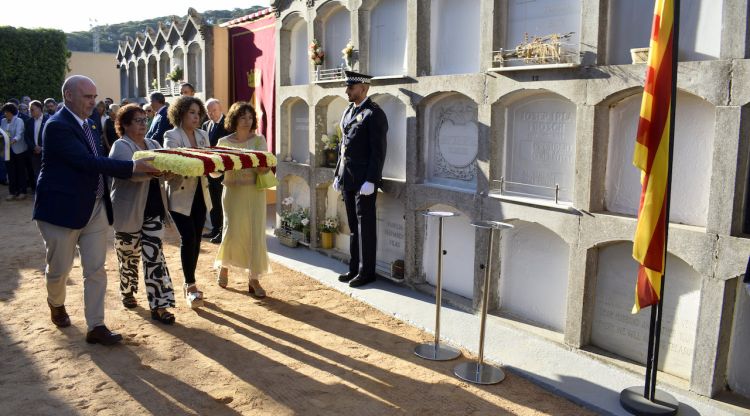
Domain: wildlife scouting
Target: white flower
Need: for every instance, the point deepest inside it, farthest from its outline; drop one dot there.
(305, 221)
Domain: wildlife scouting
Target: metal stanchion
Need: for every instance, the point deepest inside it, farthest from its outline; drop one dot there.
(435, 351)
(478, 372)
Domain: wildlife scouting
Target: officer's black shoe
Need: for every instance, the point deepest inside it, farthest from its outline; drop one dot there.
(361, 280)
(347, 277)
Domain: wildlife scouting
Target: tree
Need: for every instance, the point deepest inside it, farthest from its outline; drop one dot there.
(38, 69)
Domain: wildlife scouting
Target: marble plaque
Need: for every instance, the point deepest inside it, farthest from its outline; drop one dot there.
(298, 189)
(458, 262)
(541, 148)
(388, 38)
(300, 151)
(390, 232)
(739, 366)
(542, 18)
(337, 34)
(395, 158)
(534, 275)
(454, 141)
(616, 330)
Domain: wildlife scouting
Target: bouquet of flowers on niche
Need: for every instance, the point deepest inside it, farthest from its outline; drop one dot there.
(317, 56)
(330, 225)
(331, 142)
(346, 54)
(295, 221)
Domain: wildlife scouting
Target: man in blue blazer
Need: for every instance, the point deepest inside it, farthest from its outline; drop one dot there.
(72, 206)
(161, 124)
(33, 136)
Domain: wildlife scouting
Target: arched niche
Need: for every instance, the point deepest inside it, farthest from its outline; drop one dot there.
(141, 83)
(452, 141)
(178, 59)
(540, 147)
(387, 49)
(335, 208)
(328, 112)
(630, 27)
(534, 275)
(691, 169)
(295, 64)
(296, 124)
(123, 81)
(165, 66)
(454, 36)
(153, 74)
(395, 159)
(542, 18)
(617, 330)
(299, 190)
(738, 375)
(391, 222)
(195, 66)
(337, 32)
(131, 80)
(458, 243)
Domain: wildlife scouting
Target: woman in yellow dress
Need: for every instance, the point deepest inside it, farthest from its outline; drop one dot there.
(244, 205)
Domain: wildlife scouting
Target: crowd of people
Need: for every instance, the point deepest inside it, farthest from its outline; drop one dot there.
(77, 157)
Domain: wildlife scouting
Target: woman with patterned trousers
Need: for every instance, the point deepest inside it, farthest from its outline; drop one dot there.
(140, 212)
(188, 196)
(243, 243)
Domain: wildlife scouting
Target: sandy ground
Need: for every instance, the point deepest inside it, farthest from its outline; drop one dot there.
(305, 350)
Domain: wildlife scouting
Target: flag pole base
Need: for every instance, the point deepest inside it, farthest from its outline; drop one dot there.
(633, 401)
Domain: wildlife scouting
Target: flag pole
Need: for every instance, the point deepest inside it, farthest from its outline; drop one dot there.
(652, 401)
(657, 312)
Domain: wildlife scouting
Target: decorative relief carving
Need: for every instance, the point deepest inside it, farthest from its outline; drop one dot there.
(455, 140)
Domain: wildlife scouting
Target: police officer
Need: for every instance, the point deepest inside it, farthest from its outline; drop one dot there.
(359, 172)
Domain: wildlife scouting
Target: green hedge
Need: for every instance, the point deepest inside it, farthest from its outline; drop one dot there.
(33, 62)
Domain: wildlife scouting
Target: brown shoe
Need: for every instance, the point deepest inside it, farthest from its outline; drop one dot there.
(102, 335)
(59, 315)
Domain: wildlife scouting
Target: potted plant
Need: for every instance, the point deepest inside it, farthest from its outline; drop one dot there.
(331, 147)
(328, 229)
(347, 54)
(175, 75)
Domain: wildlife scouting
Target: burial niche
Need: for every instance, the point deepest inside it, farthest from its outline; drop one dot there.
(693, 149)
(390, 233)
(534, 275)
(454, 36)
(395, 159)
(540, 148)
(458, 262)
(387, 55)
(452, 142)
(616, 330)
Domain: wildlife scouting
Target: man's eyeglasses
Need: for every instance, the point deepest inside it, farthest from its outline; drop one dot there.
(140, 120)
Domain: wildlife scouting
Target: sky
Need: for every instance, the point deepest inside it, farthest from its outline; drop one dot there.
(77, 15)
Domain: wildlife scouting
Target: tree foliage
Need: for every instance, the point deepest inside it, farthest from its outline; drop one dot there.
(34, 63)
(109, 35)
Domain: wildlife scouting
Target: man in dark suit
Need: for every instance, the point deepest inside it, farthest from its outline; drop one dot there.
(33, 136)
(73, 208)
(215, 128)
(161, 124)
(359, 172)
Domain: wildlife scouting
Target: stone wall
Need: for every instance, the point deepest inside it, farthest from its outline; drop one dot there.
(545, 146)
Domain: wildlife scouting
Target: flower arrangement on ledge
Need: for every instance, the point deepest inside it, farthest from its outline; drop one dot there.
(295, 222)
(331, 142)
(175, 75)
(330, 225)
(317, 56)
(347, 53)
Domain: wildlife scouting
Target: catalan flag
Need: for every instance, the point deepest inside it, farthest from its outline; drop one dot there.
(652, 158)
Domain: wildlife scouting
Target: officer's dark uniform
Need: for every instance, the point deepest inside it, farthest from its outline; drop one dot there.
(361, 159)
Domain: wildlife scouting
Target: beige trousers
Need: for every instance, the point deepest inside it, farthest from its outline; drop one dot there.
(91, 242)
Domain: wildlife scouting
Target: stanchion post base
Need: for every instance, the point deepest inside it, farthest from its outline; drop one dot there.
(436, 352)
(476, 373)
(633, 401)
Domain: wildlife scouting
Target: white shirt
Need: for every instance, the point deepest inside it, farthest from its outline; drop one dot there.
(37, 127)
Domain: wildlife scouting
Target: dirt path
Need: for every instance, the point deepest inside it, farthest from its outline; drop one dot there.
(305, 350)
